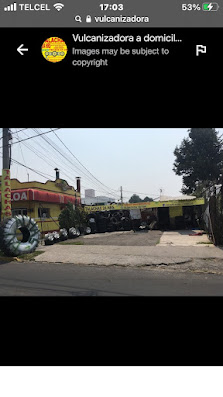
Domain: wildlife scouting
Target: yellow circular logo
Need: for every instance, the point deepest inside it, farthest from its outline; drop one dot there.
(54, 49)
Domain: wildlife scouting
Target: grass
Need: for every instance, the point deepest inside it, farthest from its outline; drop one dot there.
(205, 242)
(27, 257)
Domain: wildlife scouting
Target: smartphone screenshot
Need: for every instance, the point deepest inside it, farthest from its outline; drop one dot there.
(128, 64)
(122, 197)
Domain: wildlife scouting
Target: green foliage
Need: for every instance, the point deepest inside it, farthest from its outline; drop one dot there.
(147, 199)
(70, 217)
(136, 199)
(66, 217)
(80, 217)
(199, 159)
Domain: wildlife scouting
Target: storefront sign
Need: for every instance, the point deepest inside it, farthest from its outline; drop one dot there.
(19, 196)
(6, 194)
(151, 204)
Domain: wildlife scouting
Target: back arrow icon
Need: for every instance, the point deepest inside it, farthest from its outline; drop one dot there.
(20, 49)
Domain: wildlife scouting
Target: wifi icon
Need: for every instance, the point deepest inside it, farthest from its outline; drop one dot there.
(58, 6)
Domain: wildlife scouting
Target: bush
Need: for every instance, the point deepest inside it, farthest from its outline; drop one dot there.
(70, 217)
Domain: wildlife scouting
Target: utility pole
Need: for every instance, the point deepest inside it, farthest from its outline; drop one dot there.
(161, 191)
(5, 140)
(6, 182)
(121, 195)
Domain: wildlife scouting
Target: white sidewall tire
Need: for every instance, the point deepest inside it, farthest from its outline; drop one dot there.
(78, 233)
(10, 245)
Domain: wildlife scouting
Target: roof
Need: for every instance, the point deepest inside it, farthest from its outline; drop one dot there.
(183, 197)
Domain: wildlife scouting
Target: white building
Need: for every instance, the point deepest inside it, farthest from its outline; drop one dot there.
(91, 199)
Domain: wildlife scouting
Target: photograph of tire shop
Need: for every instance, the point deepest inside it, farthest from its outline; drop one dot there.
(167, 214)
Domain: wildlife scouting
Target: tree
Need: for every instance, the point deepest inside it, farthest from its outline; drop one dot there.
(199, 159)
(70, 217)
(147, 199)
(80, 218)
(135, 199)
(66, 217)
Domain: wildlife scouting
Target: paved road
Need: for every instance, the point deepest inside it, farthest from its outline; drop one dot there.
(47, 279)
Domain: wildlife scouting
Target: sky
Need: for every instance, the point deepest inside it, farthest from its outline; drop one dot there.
(139, 160)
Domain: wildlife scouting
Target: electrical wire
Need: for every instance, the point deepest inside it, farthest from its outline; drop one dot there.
(54, 146)
(147, 194)
(31, 137)
(37, 172)
(15, 132)
(81, 163)
(21, 151)
(111, 191)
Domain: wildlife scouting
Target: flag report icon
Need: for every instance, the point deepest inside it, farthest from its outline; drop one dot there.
(11, 7)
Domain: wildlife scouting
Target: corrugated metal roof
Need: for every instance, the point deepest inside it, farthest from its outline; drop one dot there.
(183, 197)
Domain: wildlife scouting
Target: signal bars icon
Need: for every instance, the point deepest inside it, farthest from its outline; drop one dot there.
(11, 7)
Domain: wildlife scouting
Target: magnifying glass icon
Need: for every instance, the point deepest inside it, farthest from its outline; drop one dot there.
(78, 18)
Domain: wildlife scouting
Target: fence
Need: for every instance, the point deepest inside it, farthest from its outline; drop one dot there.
(213, 216)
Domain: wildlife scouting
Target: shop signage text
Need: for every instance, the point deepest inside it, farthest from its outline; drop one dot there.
(6, 194)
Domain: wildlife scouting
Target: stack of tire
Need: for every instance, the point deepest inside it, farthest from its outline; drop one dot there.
(74, 232)
(49, 239)
(92, 223)
(63, 235)
(101, 223)
(9, 242)
(113, 224)
(126, 223)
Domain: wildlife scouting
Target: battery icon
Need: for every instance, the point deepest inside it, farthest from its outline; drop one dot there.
(210, 6)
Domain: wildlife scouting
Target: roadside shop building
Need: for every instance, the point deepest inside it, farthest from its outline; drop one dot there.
(43, 201)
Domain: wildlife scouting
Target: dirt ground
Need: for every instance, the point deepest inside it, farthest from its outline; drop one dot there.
(127, 238)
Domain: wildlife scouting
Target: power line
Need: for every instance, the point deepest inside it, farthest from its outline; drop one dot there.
(46, 177)
(14, 132)
(147, 194)
(54, 146)
(81, 163)
(37, 172)
(31, 137)
(22, 153)
(88, 177)
(40, 173)
(111, 191)
(39, 154)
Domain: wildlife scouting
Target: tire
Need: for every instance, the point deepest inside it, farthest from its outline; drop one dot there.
(10, 245)
(88, 230)
(78, 233)
(49, 240)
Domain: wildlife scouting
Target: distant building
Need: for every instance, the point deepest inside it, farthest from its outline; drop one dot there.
(89, 193)
(91, 199)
